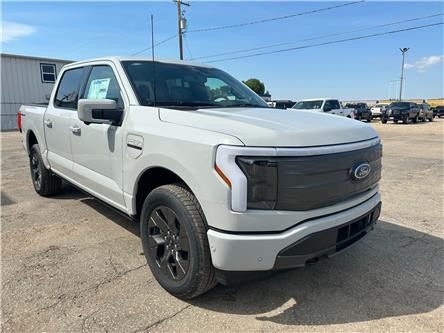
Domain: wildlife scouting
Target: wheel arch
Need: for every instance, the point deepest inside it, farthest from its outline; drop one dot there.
(151, 178)
(31, 139)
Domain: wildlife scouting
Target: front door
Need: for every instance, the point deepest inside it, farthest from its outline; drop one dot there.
(97, 148)
(58, 119)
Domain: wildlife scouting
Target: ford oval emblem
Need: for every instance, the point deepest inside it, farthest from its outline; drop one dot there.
(361, 171)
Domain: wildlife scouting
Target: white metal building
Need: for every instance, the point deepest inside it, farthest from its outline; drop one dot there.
(25, 80)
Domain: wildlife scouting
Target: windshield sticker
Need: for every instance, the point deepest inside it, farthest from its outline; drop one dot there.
(98, 89)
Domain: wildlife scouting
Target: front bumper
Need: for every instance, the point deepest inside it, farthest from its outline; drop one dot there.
(241, 252)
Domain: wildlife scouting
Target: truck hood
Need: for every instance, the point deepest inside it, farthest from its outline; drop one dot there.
(273, 128)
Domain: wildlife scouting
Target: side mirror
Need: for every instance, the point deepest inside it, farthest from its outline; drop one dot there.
(326, 109)
(99, 111)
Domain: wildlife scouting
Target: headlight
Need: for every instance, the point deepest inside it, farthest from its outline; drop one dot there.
(261, 173)
(251, 175)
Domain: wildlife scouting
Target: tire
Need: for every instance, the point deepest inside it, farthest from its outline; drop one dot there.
(384, 121)
(415, 120)
(396, 120)
(45, 182)
(369, 119)
(405, 120)
(174, 239)
(431, 119)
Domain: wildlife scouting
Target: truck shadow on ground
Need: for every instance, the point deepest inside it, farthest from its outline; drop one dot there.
(395, 271)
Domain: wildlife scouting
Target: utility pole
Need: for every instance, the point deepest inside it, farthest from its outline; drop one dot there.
(181, 24)
(403, 51)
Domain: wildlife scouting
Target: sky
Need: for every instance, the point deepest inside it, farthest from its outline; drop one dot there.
(359, 69)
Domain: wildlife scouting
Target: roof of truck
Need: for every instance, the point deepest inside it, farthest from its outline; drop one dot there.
(317, 99)
(139, 58)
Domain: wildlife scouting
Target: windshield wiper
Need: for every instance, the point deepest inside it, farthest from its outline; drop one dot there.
(187, 104)
(247, 105)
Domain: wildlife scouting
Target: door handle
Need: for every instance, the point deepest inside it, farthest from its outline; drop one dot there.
(48, 123)
(75, 130)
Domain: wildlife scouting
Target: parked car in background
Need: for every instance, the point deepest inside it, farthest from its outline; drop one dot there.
(377, 109)
(401, 111)
(438, 111)
(424, 112)
(327, 105)
(282, 104)
(362, 111)
(223, 186)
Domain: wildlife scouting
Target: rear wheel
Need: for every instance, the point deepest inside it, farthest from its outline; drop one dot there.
(405, 120)
(45, 182)
(369, 119)
(431, 119)
(174, 240)
(395, 120)
(383, 120)
(415, 120)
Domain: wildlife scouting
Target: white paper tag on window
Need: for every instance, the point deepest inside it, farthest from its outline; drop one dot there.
(98, 89)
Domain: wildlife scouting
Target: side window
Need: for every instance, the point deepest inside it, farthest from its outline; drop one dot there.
(327, 105)
(335, 104)
(332, 104)
(68, 89)
(102, 84)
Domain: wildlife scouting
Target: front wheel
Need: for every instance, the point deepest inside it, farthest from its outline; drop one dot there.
(384, 121)
(174, 240)
(45, 182)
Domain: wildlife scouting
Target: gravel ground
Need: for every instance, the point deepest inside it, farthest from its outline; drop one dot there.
(70, 263)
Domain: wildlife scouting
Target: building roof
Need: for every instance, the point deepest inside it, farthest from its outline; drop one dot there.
(34, 57)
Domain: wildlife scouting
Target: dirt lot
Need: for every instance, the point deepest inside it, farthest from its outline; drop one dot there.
(70, 263)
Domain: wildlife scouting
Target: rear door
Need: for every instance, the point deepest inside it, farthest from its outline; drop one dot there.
(97, 148)
(59, 117)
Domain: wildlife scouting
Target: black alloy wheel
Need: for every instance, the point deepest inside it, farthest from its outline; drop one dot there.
(36, 172)
(174, 239)
(168, 243)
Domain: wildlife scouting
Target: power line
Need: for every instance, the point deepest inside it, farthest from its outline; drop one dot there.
(157, 44)
(328, 43)
(187, 46)
(275, 18)
(317, 37)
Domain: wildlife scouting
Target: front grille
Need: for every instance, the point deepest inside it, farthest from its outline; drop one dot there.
(311, 182)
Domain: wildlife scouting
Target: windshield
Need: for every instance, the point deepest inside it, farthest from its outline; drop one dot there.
(308, 105)
(380, 106)
(186, 86)
(400, 105)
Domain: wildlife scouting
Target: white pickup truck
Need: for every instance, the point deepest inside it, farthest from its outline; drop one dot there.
(327, 105)
(225, 188)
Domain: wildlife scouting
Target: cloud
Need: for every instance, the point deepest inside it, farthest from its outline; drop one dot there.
(425, 62)
(12, 31)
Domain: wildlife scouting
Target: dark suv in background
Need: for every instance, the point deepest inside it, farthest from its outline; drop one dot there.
(403, 111)
(438, 111)
(362, 111)
(425, 113)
